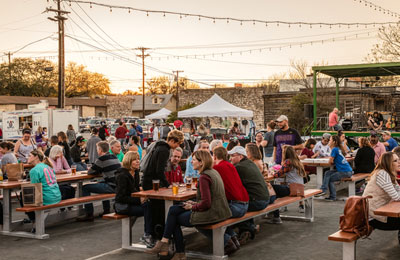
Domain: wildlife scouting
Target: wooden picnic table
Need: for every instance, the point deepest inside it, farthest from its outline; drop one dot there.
(391, 209)
(166, 195)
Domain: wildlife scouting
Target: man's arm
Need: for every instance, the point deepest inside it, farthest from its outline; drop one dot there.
(274, 154)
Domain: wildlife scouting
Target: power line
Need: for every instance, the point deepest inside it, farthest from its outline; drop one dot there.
(232, 19)
(29, 44)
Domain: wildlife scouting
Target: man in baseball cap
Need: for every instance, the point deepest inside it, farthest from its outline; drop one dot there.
(389, 143)
(323, 146)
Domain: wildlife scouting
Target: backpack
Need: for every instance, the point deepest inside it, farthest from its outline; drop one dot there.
(355, 218)
(149, 152)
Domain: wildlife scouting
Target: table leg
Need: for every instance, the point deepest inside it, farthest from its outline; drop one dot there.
(79, 191)
(168, 204)
(7, 213)
(320, 175)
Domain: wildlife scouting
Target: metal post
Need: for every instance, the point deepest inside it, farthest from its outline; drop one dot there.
(143, 56)
(315, 99)
(177, 88)
(337, 92)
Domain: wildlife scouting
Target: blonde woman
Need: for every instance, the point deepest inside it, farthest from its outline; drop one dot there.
(383, 188)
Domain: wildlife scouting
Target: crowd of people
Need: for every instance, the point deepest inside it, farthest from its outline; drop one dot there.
(231, 178)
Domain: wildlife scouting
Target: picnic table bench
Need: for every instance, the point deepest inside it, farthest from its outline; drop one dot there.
(350, 183)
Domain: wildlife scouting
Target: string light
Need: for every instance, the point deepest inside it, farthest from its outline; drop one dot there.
(379, 8)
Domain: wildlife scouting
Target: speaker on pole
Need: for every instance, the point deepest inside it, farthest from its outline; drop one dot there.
(308, 110)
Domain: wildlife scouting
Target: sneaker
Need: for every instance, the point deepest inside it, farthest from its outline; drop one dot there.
(269, 215)
(321, 194)
(301, 209)
(277, 220)
(284, 209)
(330, 199)
(147, 240)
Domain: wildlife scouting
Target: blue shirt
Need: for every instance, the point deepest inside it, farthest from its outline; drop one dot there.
(340, 161)
(190, 172)
(392, 144)
(132, 132)
(140, 129)
(225, 144)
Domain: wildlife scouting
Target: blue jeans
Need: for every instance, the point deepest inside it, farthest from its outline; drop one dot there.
(99, 188)
(248, 225)
(238, 210)
(329, 181)
(80, 166)
(142, 210)
(177, 217)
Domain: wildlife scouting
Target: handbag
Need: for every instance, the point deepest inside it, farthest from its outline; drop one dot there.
(32, 194)
(14, 171)
(121, 208)
(296, 190)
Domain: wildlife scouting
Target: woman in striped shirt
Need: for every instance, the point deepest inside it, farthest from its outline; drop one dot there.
(383, 188)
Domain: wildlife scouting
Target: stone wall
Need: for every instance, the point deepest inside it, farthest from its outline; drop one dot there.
(88, 111)
(8, 107)
(119, 106)
(247, 98)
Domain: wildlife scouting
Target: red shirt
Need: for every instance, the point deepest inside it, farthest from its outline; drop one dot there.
(234, 189)
(309, 153)
(120, 133)
(174, 175)
(333, 119)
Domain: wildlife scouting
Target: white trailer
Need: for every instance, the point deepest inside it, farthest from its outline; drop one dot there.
(55, 120)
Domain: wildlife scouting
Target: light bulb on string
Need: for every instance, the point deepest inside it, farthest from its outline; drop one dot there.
(241, 23)
(90, 5)
(199, 18)
(227, 20)
(164, 15)
(180, 16)
(147, 13)
(110, 10)
(129, 10)
(214, 20)
(254, 22)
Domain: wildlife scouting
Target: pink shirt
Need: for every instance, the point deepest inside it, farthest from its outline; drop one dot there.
(333, 119)
(60, 164)
(379, 149)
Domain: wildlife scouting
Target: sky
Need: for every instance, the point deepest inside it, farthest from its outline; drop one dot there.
(220, 52)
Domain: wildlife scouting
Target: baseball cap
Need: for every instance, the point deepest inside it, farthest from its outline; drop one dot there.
(282, 118)
(326, 136)
(239, 150)
(80, 139)
(373, 133)
(387, 133)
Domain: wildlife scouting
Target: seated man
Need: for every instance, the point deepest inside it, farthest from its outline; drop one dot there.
(107, 164)
(323, 146)
(375, 122)
(115, 148)
(173, 172)
(76, 152)
(389, 142)
(257, 189)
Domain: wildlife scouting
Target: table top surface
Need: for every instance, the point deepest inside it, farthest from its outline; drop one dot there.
(60, 178)
(391, 209)
(348, 159)
(166, 194)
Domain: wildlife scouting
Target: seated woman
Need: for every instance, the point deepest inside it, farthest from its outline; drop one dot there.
(343, 168)
(127, 181)
(344, 143)
(307, 152)
(293, 171)
(254, 154)
(383, 188)
(56, 157)
(134, 143)
(364, 161)
(8, 156)
(211, 207)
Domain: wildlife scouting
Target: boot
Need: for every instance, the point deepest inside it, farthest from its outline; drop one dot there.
(179, 256)
(230, 247)
(161, 248)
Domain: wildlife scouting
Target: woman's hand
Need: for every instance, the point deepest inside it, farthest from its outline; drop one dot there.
(187, 206)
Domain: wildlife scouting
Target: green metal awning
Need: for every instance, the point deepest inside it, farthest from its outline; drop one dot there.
(339, 72)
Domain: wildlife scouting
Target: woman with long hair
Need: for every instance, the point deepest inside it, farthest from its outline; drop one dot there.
(343, 168)
(71, 135)
(268, 142)
(39, 138)
(383, 188)
(211, 207)
(62, 140)
(24, 146)
(307, 152)
(364, 160)
(254, 154)
(293, 172)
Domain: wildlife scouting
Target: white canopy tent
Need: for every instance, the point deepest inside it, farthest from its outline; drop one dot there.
(216, 107)
(163, 113)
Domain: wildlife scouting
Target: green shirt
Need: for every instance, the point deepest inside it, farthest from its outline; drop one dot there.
(120, 156)
(42, 173)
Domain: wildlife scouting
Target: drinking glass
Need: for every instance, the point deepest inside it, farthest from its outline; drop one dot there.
(156, 185)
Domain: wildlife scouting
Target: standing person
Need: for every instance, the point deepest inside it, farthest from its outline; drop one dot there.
(127, 181)
(39, 139)
(383, 188)
(254, 154)
(268, 142)
(115, 148)
(378, 147)
(107, 164)
(234, 131)
(211, 207)
(91, 146)
(235, 192)
(155, 171)
(135, 145)
(343, 169)
(334, 120)
(364, 161)
(62, 140)
(322, 147)
(293, 172)
(285, 136)
(164, 131)
(8, 156)
(76, 152)
(120, 133)
(139, 132)
(132, 132)
(225, 140)
(259, 139)
(389, 143)
(256, 188)
(24, 146)
(156, 132)
(173, 172)
(71, 135)
(103, 131)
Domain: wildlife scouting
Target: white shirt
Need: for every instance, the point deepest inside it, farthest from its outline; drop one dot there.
(324, 150)
(156, 134)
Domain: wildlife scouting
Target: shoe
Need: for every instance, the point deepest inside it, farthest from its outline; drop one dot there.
(26, 221)
(274, 220)
(244, 237)
(179, 256)
(86, 218)
(330, 199)
(269, 215)
(321, 194)
(147, 240)
(284, 209)
(301, 209)
(257, 229)
(230, 247)
(33, 230)
(161, 248)
(236, 241)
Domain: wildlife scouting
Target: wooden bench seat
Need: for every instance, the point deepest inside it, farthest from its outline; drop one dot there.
(349, 241)
(114, 216)
(42, 212)
(350, 183)
(357, 177)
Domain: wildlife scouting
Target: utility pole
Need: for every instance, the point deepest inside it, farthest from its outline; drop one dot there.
(9, 66)
(143, 56)
(177, 88)
(61, 52)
